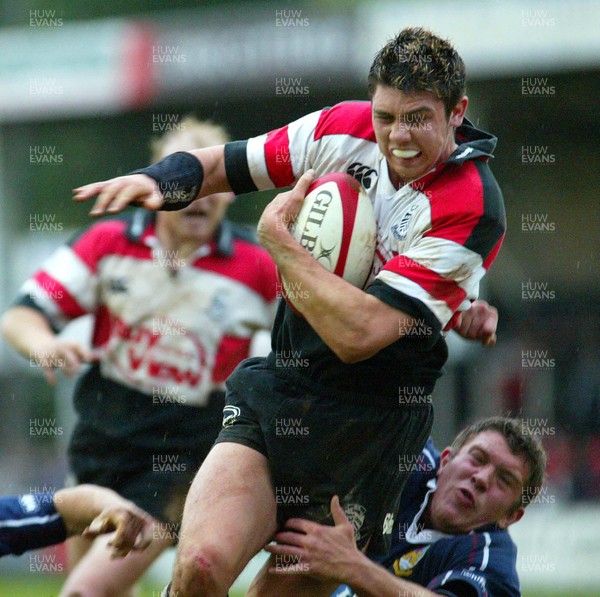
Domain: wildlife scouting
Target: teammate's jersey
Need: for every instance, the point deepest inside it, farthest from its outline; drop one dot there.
(436, 237)
(29, 521)
(167, 331)
(483, 561)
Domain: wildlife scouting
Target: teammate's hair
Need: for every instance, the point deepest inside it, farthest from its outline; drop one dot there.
(418, 60)
(189, 133)
(521, 440)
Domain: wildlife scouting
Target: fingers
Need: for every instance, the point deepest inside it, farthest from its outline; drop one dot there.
(70, 356)
(479, 323)
(289, 538)
(487, 329)
(100, 525)
(144, 537)
(115, 194)
(126, 537)
(131, 191)
(87, 191)
(300, 190)
(490, 323)
(305, 181)
(108, 199)
(133, 530)
(490, 341)
(339, 516)
(292, 560)
(67, 356)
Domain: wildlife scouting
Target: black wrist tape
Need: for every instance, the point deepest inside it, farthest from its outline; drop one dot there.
(179, 177)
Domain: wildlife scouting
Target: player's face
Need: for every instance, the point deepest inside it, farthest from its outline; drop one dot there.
(413, 132)
(478, 485)
(198, 222)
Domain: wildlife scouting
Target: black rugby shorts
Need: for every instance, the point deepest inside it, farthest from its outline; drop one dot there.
(319, 445)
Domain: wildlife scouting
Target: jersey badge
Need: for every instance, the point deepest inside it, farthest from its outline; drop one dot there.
(404, 565)
(399, 230)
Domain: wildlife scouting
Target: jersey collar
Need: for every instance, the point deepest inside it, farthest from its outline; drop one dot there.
(141, 230)
(422, 536)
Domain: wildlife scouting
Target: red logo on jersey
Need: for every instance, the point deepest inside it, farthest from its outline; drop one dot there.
(161, 357)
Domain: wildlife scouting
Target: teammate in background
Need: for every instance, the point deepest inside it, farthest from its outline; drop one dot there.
(37, 520)
(371, 356)
(450, 532)
(176, 298)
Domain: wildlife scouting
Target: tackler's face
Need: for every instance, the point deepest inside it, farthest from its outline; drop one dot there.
(200, 219)
(413, 131)
(481, 484)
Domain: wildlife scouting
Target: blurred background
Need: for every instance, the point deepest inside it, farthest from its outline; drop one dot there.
(85, 86)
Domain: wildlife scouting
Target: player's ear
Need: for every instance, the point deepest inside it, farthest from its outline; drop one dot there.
(458, 112)
(513, 516)
(445, 457)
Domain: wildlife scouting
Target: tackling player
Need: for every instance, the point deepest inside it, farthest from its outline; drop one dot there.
(450, 534)
(372, 355)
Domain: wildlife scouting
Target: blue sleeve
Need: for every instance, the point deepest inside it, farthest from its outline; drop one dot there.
(480, 565)
(29, 521)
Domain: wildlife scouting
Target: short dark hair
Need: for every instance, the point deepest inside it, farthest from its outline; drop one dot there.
(418, 60)
(521, 440)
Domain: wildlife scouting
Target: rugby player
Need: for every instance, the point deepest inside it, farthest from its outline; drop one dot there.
(441, 222)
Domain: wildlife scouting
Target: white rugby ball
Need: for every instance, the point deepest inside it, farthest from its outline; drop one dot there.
(336, 225)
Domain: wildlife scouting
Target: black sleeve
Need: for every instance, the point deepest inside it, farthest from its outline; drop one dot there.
(411, 306)
(236, 168)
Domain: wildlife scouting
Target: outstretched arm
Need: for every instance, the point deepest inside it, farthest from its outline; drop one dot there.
(94, 510)
(30, 334)
(116, 193)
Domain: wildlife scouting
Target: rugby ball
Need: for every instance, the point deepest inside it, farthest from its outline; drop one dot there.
(336, 225)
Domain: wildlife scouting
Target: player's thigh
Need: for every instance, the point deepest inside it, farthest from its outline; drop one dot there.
(230, 509)
(99, 575)
(266, 584)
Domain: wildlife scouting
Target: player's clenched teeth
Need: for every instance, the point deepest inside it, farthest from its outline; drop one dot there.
(405, 153)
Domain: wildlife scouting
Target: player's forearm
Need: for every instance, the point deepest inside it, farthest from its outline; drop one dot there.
(213, 163)
(78, 506)
(26, 330)
(369, 579)
(354, 324)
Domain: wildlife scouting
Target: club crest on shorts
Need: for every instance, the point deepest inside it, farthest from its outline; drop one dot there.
(355, 513)
(230, 415)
